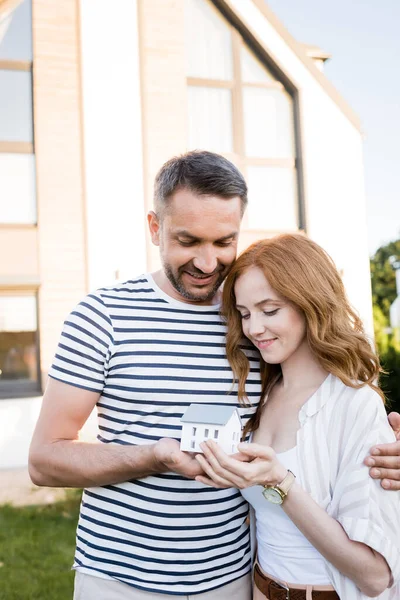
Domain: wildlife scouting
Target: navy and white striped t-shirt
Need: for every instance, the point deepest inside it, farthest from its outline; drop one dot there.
(150, 356)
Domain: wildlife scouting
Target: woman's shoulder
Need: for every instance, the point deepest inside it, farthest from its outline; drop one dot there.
(361, 401)
(357, 417)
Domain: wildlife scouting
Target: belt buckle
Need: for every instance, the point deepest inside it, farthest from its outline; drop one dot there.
(285, 587)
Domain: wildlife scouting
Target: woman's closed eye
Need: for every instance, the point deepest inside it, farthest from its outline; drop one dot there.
(268, 313)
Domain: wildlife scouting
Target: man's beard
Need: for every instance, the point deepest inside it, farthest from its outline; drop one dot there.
(177, 283)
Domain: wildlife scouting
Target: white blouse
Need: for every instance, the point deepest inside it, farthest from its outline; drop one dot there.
(282, 550)
(338, 427)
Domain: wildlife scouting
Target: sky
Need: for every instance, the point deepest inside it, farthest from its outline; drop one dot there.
(363, 38)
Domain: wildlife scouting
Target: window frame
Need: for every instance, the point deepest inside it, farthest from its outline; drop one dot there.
(240, 37)
(13, 147)
(18, 147)
(24, 389)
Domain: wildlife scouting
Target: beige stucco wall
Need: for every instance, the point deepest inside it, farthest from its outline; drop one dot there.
(163, 84)
(112, 130)
(19, 252)
(60, 185)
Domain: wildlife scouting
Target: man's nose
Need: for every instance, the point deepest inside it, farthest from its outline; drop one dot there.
(206, 260)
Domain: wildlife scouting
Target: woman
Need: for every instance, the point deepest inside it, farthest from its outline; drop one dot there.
(325, 529)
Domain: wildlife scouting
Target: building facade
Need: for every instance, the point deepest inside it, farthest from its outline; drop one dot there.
(94, 101)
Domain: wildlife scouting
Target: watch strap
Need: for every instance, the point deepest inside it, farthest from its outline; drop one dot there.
(287, 482)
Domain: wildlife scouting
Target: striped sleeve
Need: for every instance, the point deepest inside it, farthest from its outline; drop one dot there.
(367, 512)
(85, 346)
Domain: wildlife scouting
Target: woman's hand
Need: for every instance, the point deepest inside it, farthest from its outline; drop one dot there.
(254, 465)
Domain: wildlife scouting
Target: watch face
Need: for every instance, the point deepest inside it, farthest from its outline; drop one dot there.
(272, 495)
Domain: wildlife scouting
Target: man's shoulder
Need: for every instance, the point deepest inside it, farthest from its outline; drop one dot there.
(135, 285)
(132, 289)
(117, 297)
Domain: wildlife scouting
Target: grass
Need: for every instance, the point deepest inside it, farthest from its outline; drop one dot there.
(37, 548)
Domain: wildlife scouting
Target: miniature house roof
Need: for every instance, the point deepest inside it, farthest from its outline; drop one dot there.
(208, 414)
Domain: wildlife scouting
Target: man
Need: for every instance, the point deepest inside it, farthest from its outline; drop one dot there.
(143, 351)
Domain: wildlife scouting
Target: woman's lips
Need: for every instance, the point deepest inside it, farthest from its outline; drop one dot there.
(264, 344)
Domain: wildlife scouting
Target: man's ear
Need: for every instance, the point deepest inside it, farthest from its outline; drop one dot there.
(154, 227)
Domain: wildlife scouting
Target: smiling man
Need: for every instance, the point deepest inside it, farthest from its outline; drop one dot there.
(197, 247)
(143, 351)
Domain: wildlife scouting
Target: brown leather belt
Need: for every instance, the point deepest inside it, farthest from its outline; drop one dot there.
(273, 590)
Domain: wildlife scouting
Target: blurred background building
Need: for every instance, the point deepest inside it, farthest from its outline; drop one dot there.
(94, 98)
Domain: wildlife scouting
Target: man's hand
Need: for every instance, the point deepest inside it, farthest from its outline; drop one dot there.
(385, 459)
(168, 454)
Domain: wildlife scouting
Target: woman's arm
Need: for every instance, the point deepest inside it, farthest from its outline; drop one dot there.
(367, 568)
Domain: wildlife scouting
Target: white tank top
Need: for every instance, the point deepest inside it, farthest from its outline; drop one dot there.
(282, 550)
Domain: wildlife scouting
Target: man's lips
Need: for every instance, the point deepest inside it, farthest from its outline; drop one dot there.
(264, 344)
(201, 279)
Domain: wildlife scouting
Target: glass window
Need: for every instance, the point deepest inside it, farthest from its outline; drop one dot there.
(213, 59)
(253, 71)
(216, 434)
(272, 198)
(210, 119)
(194, 429)
(15, 106)
(17, 188)
(18, 344)
(206, 433)
(248, 115)
(268, 123)
(16, 31)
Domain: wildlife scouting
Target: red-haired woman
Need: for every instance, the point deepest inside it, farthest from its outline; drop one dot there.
(324, 528)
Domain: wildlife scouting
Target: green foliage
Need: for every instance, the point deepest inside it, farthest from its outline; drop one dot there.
(383, 281)
(380, 330)
(390, 383)
(383, 277)
(37, 546)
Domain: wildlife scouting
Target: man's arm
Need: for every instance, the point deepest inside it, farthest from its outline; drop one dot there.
(58, 458)
(384, 460)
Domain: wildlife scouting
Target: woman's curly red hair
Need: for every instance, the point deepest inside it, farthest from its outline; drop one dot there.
(301, 271)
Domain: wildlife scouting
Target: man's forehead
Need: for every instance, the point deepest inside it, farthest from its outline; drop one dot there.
(186, 201)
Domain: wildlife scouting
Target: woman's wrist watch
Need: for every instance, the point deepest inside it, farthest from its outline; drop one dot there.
(277, 493)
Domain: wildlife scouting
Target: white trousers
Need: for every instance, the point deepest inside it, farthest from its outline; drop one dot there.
(88, 587)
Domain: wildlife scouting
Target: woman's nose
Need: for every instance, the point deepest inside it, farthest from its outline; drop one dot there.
(255, 325)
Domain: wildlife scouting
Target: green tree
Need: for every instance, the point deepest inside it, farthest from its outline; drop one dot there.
(383, 277)
(381, 329)
(384, 292)
(390, 382)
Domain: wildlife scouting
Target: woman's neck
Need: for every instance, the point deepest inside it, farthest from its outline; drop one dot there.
(302, 370)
